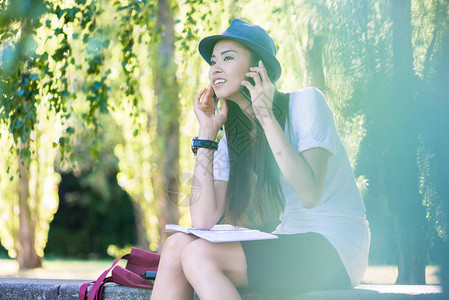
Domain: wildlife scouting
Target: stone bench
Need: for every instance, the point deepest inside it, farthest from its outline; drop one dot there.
(53, 289)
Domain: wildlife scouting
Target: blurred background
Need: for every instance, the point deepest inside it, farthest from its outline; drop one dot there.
(96, 121)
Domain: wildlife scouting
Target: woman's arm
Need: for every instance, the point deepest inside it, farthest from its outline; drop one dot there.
(304, 171)
(207, 197)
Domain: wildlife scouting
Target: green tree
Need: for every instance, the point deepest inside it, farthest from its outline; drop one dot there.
(36, 105)
(153, 137)
(22, 106)
(166, 89)
(400, 46)
(402, 177)
(432, 65)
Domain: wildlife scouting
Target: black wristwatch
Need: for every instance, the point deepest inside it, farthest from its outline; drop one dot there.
(197, 143)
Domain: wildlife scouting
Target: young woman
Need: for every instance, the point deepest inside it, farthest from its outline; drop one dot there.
(281, 152)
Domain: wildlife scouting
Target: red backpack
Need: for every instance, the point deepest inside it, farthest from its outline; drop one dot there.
(139, 261)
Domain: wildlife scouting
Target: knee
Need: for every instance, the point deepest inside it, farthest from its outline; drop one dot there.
(174, 245)
(196, 256)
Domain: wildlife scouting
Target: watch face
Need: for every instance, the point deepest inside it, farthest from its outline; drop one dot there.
(193, 146)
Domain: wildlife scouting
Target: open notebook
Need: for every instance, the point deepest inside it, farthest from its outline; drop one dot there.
(223, 233)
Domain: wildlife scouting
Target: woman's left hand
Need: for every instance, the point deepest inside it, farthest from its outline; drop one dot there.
(262, 92)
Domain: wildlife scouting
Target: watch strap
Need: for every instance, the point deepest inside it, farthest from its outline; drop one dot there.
(198, 143)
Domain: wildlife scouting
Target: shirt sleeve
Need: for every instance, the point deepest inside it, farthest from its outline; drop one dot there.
(221, 161)
(313, 121)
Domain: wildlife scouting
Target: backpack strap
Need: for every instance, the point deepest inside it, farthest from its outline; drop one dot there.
(83, 290)
(98, 284)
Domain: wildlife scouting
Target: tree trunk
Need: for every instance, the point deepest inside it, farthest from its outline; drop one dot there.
(402, 185)
(314, 60)
(166, 90)
(26, 252)
(142, 240)
(441, 157)
(436, 108)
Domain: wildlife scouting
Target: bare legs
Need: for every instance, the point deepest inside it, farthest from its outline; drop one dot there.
(171, 282)
(212, 269)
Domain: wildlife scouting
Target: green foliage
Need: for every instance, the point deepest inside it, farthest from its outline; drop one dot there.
(116, 252)
(37, 53)
(42, 184)
(37, 88)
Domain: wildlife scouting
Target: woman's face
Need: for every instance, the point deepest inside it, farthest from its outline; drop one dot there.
(229, 64)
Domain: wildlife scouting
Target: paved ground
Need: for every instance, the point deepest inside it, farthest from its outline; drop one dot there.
(46, 289)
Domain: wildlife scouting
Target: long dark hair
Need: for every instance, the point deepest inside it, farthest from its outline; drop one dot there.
(254, 189)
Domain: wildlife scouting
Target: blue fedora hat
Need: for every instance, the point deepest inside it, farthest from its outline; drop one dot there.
(253, 37)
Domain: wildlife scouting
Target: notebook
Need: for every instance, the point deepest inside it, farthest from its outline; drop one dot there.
(223, 233)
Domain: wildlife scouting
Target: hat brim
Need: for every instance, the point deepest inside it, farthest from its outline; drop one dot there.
(272, 65)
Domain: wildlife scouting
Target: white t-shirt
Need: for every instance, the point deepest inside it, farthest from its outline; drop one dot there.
(340, 215)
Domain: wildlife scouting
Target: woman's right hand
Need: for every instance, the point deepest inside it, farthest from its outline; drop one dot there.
(204, 108)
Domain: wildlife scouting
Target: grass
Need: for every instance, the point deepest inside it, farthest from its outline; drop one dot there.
(91, 269)
(388, 275)
(58, 269)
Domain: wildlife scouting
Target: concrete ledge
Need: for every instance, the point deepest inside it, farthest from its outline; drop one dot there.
(49, 289)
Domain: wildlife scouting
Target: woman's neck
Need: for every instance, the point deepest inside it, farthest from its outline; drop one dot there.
(245, 106)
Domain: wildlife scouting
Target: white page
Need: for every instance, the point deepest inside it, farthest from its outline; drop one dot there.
(174, 228)
(223, 233)
(217, 236)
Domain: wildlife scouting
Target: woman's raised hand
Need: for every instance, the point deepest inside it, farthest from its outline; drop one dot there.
(204, 108)
(262, 92)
